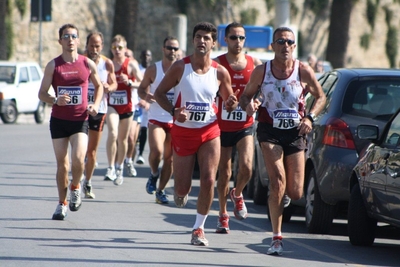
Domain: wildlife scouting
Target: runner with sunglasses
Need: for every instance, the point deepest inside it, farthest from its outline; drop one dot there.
(282, 123)
(69, 75)
(236, 128)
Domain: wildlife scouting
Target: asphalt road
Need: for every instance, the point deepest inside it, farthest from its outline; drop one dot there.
(124, 226)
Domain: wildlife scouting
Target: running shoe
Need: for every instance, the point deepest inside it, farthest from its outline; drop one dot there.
(130, 169)
(161, 197)
(151, 184)
(276, 246)
(88, 190)
(239, 207)
(75, 200)
(119, 177)
(180, 202)
(286, 201)
(140, 160)
(60, 213)
(223, 224)
(198, 238)
(110, 174)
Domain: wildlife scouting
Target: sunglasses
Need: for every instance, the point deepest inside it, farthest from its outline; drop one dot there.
(170, 48)
(236, 37)
(67, 36)
(283, 41)
(119, 47)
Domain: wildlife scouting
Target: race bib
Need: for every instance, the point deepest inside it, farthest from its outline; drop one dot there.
(170, 97)
(91, 94)
(75, 92)
(199, 112)
(237, 115)
(118, 98)
(286, 118)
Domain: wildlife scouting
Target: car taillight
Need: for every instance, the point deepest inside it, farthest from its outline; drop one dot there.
(337, 133)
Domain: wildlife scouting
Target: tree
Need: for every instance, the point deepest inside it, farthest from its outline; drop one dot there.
(125, 20)
(3, 32)
(339, 32)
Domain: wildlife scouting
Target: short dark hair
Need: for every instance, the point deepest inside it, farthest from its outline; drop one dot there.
(232, 25)
(207, 27)
(67, 26)
(94, 33)
(169, 38)
(281, 29)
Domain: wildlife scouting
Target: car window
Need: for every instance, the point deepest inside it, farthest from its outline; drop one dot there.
(372, 98)
(328, 84)
(34, 73)
(23, 75)
(7, 74)
(392, 138)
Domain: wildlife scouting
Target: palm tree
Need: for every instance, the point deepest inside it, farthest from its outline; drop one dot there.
(3, 32)
(339, 32)
(125, 18)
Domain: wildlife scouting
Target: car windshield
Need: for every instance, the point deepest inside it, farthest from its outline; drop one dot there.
(378, 99)
(7, 74)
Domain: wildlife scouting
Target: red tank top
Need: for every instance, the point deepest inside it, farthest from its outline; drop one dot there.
(236, 120)
(121, 100)
(71, 78)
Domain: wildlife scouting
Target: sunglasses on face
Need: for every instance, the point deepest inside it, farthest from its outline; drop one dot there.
(119, 47)
(236, 37)
(67, 36)
(283, 41)
(170, 48)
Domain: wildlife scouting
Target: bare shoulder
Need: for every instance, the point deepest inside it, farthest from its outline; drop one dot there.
(306, 72)
(257, 61)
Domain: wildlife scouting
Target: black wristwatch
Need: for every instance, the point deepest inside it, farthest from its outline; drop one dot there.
(172, 112)
(311, 117)
(55, 101)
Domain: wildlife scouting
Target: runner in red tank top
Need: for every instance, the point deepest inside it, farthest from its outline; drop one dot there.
(120, 109)
(236, 128)
(69, 74)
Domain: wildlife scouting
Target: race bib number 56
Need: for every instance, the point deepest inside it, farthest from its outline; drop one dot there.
(286, 118)
(75, 92)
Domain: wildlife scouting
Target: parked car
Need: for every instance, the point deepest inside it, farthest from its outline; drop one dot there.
(354, 96)
(19, 87)
(375, 183)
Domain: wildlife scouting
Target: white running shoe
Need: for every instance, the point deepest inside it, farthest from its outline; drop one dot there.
(119, 177)
(110, 174)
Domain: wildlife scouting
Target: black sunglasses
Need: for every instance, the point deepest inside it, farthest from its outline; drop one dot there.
(235, 37)
(283, 41)
(170, 48)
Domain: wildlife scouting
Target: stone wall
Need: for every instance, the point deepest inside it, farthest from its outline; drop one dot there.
(154, 24)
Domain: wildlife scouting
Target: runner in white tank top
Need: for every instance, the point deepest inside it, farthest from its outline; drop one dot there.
(196, 79)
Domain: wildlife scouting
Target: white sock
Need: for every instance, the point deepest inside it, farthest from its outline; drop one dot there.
(128, 160)
(200, 220)
(277, 234)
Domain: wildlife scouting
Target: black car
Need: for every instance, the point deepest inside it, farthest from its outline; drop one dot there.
(375, 184)
(354, 96)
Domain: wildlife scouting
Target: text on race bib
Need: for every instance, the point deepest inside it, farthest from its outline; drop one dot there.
(199, 112)
(118, 98)
(75, 92)
(285, 118)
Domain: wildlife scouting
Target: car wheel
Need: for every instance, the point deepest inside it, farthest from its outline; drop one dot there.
(260, 192)
(318, 214)
(40, 113)
(10, 115)
(361, 228)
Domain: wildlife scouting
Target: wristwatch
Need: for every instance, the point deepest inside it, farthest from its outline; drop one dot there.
(172, 112)
(130, 83)
(55, 101)
(311, 117)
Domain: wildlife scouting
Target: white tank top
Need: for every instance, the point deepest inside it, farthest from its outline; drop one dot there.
(197, 93)
(155, 111)
(283, 98)
(103, 74)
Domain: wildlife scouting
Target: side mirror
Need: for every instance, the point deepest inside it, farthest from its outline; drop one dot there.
(368, 132)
